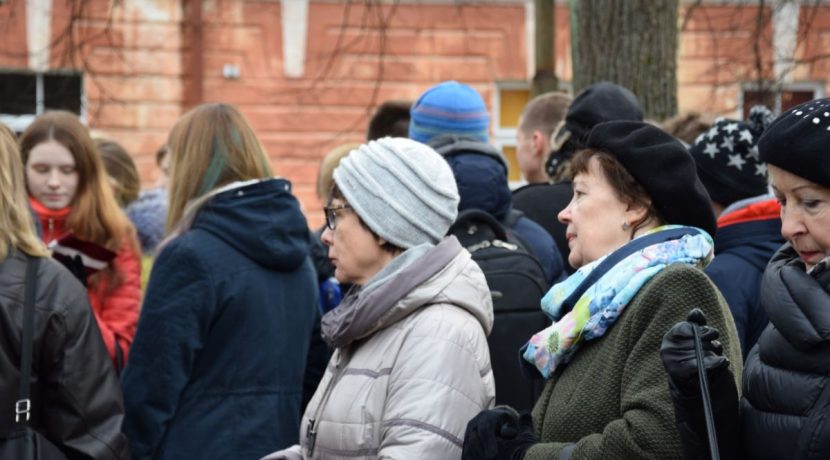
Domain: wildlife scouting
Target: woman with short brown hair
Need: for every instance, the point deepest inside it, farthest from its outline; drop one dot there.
(639, 229)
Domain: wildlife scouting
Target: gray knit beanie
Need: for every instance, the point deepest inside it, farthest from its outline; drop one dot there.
(402, 189)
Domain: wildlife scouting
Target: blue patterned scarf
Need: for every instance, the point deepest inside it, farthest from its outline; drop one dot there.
(599, 306)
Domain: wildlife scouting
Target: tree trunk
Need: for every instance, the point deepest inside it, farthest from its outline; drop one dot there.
(544, 77)
(630, 42)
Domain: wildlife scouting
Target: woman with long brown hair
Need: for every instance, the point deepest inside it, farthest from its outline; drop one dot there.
(218, 362)
(75, 400)
(70, 193)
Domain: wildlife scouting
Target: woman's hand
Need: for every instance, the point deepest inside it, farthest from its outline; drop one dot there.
(678, 353)
(498, 434)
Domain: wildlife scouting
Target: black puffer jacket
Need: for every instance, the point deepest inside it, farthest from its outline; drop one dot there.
(785, 410)
(76, 398)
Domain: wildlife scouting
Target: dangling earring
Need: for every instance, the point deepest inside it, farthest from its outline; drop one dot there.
(626, 226)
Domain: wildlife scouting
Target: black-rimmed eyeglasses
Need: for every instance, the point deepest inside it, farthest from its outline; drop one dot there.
(331, 214)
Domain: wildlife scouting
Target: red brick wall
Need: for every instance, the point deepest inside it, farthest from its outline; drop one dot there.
(716, 54)
(348, 71)
(137, 62)
(815, 46)
(13, 46)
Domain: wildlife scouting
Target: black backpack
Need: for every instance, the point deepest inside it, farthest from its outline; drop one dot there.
(517, 283)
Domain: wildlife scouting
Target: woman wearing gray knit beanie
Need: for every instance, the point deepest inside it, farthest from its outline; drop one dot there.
(411, 364)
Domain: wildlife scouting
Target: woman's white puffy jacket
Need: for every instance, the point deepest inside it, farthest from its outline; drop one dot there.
(411, 366)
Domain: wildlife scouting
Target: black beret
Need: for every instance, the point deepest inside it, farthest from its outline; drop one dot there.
(663, 166)
(798, 141)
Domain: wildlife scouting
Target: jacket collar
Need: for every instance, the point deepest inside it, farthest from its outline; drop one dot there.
(52, 221)
(398, 291)
(797, 303)
(448, 145)
(752, 209)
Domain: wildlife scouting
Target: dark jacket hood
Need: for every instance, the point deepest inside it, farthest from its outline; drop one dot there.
(261, 220)
(752, 229)
(480, 171)
(756, 240)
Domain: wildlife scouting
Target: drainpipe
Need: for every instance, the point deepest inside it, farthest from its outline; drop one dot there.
(193, 54)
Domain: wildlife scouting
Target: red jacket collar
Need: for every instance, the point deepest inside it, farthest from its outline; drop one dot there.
(762, 210)
(52, 221)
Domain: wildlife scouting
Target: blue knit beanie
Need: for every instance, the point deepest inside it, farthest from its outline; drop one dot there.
(403, 190)
(449, 108)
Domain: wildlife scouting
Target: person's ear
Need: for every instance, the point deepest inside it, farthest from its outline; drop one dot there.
(636, 213)
(540, 148)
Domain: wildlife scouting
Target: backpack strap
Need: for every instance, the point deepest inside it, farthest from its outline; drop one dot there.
(512, 218)
(477, 215)
(23, 406)
(509, 222)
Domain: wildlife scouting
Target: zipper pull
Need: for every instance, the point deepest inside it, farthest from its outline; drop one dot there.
(51, 225)
(311, 438)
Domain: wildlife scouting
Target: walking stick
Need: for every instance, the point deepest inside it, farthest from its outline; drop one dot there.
(707, 401)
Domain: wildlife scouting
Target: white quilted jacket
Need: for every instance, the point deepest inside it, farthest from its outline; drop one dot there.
(406, 387)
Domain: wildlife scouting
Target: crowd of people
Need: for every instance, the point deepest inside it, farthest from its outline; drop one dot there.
(653, 291)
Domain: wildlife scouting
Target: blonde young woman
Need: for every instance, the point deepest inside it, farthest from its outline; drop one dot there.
(76, 402)
(218, 362)
(70, 192)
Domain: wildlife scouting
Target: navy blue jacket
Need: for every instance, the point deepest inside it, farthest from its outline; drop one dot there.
(742, 251)
(542, 204)
(216, 369)
(481, 174)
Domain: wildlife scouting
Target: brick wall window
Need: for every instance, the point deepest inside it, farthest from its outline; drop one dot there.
(791, 95)
(25, 95)
(509, 100)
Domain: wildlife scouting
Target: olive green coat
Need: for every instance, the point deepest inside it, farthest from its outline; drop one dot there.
(612, 400)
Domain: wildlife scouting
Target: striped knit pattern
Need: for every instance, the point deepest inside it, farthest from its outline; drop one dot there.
(449, 108)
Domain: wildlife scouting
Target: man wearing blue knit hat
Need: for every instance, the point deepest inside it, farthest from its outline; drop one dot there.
(452, 118)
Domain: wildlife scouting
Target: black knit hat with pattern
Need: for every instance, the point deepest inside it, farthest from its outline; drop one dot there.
(663, 166)
(727, 157)
(798, 141)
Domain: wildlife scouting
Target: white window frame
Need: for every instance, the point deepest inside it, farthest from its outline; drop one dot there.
(506, 137)
(498, 131)
(19, 123)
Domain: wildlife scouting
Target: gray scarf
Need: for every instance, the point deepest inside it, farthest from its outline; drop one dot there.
(363, 310)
